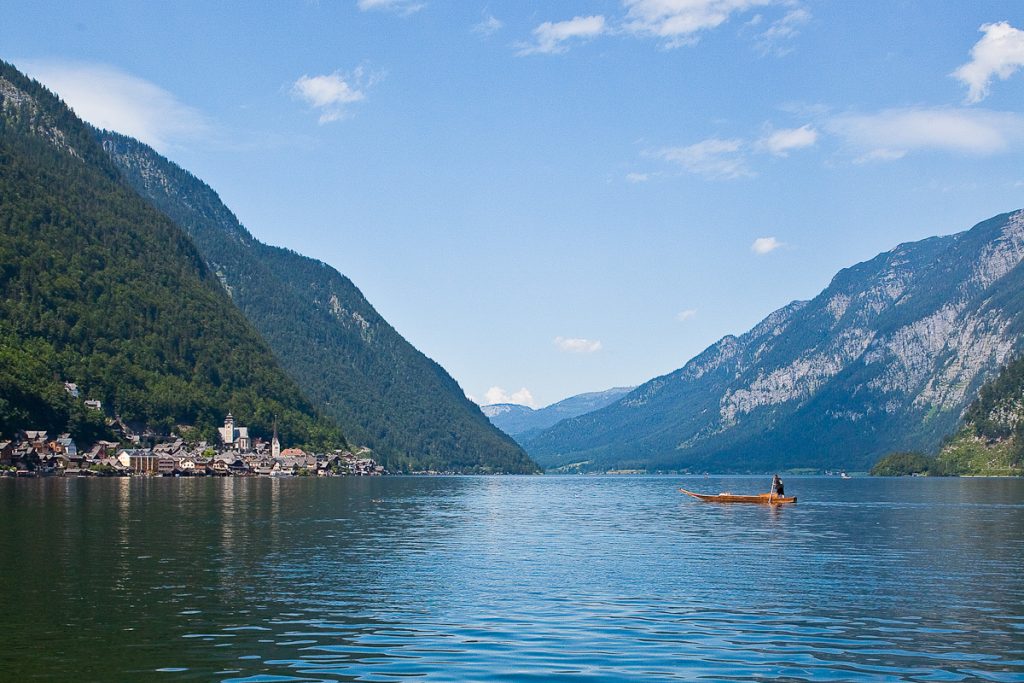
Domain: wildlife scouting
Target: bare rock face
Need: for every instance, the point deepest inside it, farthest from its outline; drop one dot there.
(887, 357)
(19, 105)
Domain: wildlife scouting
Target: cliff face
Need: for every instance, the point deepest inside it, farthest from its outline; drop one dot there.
(355, 366)
(886, 357)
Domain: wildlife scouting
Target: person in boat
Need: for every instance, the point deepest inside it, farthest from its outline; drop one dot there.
(777, 486)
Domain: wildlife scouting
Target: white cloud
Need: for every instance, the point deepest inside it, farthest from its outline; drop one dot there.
(880, 155)
(683, 316)
(332, 94)
(638, 177)
(522, 397)
(775, 37)
(890, 134)
(551, 37)
(401, 7)
(1000, 52)
(328, 90)
(675, 22)
(780, 142)
(712, 158)
(765, 245)
(575, 345)
(679, 22)
(719, 158)
(489, 26)
(115, 100)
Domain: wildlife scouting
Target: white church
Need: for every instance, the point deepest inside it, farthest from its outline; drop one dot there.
(238, 437)
(234, 437)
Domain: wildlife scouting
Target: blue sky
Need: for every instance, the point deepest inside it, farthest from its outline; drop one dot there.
(556, 197)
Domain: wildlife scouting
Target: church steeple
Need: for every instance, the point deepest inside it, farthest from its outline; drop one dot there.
(275, 445)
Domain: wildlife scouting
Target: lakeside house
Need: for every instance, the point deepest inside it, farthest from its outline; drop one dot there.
(138, 460)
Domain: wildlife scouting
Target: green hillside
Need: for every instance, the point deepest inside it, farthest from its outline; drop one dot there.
(992, 439)
(99, 288)
(354, 365)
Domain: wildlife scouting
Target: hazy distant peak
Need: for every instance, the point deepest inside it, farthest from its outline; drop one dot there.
(517, 419)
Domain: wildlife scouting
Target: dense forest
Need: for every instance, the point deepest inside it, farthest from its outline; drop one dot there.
(99, 288)
(905, 464)
(999, 411)
(350, 361)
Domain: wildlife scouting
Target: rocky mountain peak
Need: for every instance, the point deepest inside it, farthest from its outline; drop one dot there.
(886, 357)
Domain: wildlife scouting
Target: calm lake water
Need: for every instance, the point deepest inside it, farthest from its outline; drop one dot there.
(510, 579)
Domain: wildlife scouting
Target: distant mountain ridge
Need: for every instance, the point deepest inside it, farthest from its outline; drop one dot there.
(885, 358)
(99, 289)
(350, 361)
(523, 422)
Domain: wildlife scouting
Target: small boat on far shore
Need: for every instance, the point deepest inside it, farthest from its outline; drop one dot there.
(760, 499)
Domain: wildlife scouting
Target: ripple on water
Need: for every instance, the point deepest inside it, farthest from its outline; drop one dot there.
(516, 578)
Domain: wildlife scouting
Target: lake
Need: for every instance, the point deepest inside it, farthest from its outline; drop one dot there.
(510, 579)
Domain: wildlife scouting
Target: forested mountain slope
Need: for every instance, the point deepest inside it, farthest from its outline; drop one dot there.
(354, 365)
(99, 288)
(885, 358)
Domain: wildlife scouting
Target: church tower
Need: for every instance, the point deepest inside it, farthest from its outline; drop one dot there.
(275, 445)
(227, 432)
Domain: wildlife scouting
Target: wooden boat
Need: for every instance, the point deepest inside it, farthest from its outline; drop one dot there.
(761, 498)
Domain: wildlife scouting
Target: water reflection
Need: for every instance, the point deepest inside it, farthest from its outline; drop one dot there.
(511, 578)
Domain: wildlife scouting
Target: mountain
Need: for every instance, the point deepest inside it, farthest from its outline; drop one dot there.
(354, 365)
(991, 441)
(885, 358)
(511, 418)
(99, 289)
(523, 422)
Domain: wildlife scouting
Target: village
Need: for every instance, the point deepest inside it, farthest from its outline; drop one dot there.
(34, 453)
